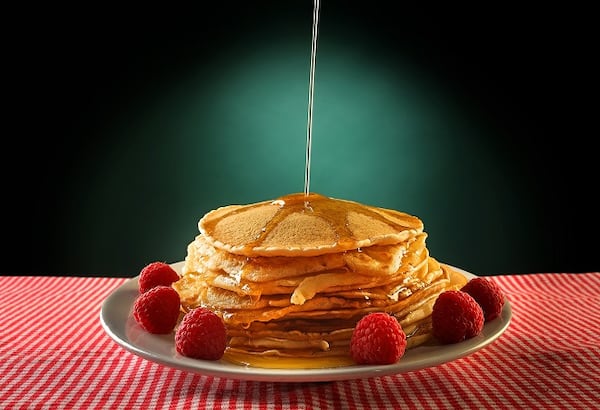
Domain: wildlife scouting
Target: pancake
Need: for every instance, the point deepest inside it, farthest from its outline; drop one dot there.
(299, 225)
(291, 277)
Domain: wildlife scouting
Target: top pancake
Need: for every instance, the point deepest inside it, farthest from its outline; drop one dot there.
(299, 225)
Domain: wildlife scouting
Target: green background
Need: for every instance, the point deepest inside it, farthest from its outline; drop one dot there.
(135, 129)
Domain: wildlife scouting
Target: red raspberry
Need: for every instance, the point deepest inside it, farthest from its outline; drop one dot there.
(488, 294)
(156, 273)
(456, 316)
(378, 338)
(201, 335)
(157, 310)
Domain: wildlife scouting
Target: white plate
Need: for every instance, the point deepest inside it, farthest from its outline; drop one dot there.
(117, 321)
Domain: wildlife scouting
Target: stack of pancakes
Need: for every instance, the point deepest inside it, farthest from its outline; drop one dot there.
(292, 276)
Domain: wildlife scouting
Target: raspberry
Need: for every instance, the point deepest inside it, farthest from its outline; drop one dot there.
(456, 316)
(488, 294)
(157, 310)
(201, 335)
(378, 338)
(156, 273)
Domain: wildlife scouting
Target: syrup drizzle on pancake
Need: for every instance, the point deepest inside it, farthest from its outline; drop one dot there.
(330, 225)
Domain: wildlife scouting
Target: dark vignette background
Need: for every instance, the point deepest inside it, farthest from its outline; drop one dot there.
(123, 127)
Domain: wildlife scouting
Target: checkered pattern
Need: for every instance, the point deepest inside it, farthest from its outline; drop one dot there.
(54, 354)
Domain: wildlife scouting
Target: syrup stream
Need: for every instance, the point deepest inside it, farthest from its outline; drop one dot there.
(311, 91)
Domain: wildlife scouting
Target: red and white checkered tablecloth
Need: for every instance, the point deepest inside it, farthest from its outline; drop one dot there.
(54, 354)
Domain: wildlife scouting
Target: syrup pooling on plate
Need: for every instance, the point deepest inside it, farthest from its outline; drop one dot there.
(269, 362)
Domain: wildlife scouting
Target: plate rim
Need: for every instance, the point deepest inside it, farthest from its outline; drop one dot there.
(221, 368)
